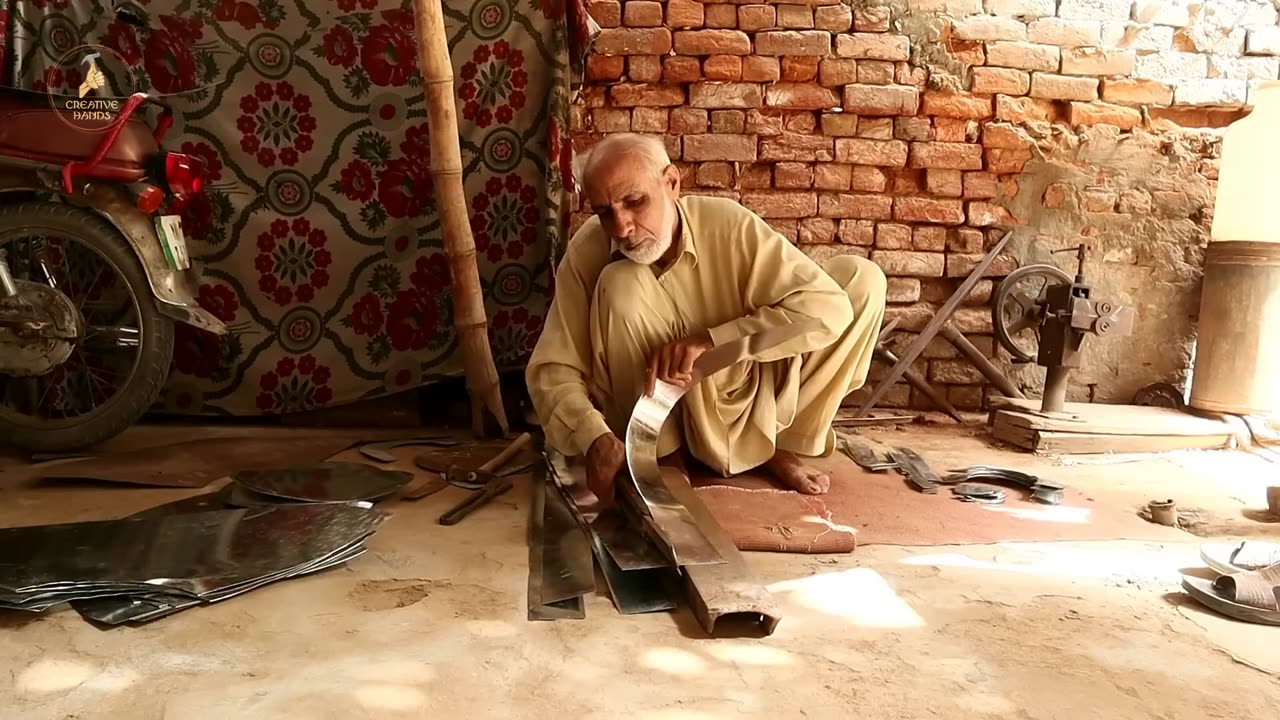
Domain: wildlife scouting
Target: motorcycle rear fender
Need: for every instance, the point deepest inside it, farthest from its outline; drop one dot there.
(174, 290)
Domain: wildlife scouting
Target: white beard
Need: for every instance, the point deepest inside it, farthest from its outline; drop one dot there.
(648, 253)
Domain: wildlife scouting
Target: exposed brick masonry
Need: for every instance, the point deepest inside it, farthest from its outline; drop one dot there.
(811, 114)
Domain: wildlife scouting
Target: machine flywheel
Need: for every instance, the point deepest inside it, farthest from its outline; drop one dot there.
(1018, 308)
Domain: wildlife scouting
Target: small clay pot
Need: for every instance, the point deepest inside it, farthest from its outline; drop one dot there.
(1163, 512)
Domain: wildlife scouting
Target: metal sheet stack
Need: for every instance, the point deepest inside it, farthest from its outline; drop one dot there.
(151, 565)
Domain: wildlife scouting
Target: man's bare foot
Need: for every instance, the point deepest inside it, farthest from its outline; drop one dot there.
(795, 474)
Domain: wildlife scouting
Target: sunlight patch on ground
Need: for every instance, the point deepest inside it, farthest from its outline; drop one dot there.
(859, 595)
(405, 672)
(673, 661)
(744, 653)
(386, 696)
(51, 675)
(1065, 561)
(1056, 513)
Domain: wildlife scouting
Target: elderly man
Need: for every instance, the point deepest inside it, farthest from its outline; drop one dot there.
(655, 279)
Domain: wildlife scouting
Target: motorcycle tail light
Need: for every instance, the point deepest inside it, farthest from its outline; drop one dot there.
(182, 174)
(150, 198)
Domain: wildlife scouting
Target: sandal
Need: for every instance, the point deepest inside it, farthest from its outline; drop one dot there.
(1252, 596)
(1249, 555)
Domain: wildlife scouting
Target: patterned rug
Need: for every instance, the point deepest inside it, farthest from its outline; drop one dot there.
(317, 235)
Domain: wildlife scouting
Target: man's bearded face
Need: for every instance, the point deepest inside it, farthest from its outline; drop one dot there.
(635, 208)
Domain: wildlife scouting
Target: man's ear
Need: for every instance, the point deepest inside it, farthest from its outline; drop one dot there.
(671, 178)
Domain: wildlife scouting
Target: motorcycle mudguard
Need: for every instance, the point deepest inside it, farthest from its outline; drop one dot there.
(174, 290)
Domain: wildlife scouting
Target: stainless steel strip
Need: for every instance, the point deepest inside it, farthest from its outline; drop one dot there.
(572, 608)
(567, 568)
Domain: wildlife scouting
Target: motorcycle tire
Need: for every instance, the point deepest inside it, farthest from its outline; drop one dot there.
(155, 354)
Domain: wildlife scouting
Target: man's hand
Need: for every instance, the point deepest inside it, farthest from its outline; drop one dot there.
(604, 460)
(673, 362)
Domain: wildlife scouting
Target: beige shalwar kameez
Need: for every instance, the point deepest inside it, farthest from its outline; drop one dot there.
(734, 275)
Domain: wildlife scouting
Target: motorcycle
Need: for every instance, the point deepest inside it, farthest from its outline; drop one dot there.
(93, 274)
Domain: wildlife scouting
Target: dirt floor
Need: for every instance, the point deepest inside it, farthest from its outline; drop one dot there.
(432, 620)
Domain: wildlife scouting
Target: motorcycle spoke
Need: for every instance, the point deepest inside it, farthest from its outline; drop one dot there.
(117, 336)
(89, 292)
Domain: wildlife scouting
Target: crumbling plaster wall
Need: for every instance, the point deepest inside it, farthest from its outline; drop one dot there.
(915, 131)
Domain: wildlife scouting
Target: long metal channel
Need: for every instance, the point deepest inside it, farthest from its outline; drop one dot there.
(567, 609)
(935, 324)
(684, 541)
(567, 569)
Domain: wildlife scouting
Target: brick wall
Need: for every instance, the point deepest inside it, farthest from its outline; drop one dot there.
(910, 131)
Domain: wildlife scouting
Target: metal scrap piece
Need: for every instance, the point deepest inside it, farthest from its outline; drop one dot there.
(916, 470)
(979, 493)
(325, 482)
(685, 543)
(379, 450)
(1049, 492)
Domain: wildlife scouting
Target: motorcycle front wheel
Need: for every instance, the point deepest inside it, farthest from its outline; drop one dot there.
(117, 370)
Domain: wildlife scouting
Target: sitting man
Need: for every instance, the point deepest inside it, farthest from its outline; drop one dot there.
(653, 281)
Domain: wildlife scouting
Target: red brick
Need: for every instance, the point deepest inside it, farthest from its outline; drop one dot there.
(1003, 160)
(906, 181)
(650, 119)
(760, 69)
(1062, 87)
(633, 41)
(715, 174)
(893, 236)
(792, 175)
(756, 17)
(873, 46)
(712, 42)
(644, 68)
(764, 122)
(1100, 201)
(871, 19)
(1022, 55)
(929, 210)
(985, 214)
(839, 125)
(836, 18)
(632, 94)
(681, 70)
(966, 397)
(965, 240)
(1024, 109)
(722, 67)
(753, 177)
(593, 96)
(1124, 118)
(881, 100)
(866, 178)
(857, 232)
(875, 128)
(863, 207)
(793, 42)
(982, 185)
(823, 253)
(725, 95)
(955, 156)
(835, 72)
(963, 265)
(721, 15)
(909, 263)
(875, 72)
(1057, 195)
(799, 69)
(1098, 61)
(966, 52)
(1130, 91)
(909, 74)
(902, 290)
(789, 228)
(796, 147)
(929, 237)
(954, 372)
(738, 148)
(1003, 135)
(973, 320)
(728, 121)
(831, 176)
(642, 13)
(607, 13)
(578, 118)
(913, 128)
(807, 96)
(947, 183)
(957, 105)
(688, 173)
(817, 230)
(684, 14)
(955, 130)
(774, 204)
(798, 17)
(608, 120)
(605, 67)
(799, 122)
(885, 153)
(992, 81)
(688, 121)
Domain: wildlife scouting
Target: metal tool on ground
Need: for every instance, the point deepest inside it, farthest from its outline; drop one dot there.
(1061, 312)
(481, 476)
(979, 493)
(916, 470)
(931, 329)
(491, 485)
(1049, 492)
(476, 500)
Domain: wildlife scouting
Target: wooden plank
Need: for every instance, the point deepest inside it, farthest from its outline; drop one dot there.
(1105, 419)
(1086, 443)
(1012, 434)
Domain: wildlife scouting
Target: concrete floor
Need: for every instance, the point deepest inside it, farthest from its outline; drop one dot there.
(432, 620)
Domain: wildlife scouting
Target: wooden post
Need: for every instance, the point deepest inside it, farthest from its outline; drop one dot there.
(446, 175)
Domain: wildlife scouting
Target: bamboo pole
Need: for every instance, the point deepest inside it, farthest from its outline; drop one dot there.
(446, 175)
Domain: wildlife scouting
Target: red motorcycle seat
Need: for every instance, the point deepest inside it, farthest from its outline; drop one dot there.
(32, 130)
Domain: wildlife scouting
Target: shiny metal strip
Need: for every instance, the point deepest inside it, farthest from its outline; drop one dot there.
(572, 608)
(683, 539)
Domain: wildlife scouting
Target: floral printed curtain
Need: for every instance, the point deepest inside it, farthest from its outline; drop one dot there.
(317, 235)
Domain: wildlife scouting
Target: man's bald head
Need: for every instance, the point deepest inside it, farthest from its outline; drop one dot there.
(632, 187)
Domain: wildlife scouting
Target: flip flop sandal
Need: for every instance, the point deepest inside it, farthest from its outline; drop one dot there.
(1249, 596)
(1228, 558)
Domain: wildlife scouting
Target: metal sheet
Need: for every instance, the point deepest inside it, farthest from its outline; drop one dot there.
(325, 482)
(380, 451)
(635, 591)
(685, 542)
(567, 569)
(565, 609)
